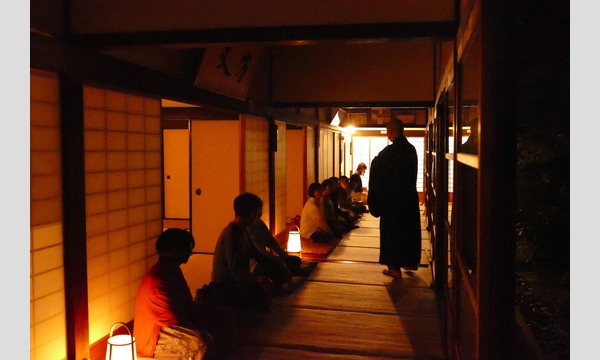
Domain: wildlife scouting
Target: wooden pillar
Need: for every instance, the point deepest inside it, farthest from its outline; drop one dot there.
(74, 228)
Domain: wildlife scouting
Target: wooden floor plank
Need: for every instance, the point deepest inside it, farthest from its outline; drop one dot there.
(366, 231)
(347, 309)
(309, 247)
(274, 353)
(368, 274)
(360, 241)
(343, 332)
(393, 298)
(371, 241)
(369, 216)
(347, 253)
(368, 223)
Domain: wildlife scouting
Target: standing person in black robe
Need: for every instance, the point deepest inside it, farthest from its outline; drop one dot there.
(393, 197)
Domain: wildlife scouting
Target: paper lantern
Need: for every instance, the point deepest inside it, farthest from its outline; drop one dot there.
(294, 244)
(120, 347)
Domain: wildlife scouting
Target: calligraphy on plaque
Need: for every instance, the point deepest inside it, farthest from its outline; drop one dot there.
(228, 70)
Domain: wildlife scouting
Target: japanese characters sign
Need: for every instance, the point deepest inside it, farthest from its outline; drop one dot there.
(228, 70)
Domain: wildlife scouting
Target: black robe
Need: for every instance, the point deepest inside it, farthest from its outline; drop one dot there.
(393, 197)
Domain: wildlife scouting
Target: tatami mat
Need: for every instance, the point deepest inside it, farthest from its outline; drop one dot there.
(365, 231)
(367, 273)
(349, 253)
(335, 331)
(347, 309)
(369, 223)
(274, 353)
(393, 298)
(360, 241)
(311, 248)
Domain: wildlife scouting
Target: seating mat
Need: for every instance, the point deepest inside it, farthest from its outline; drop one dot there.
(311, 248)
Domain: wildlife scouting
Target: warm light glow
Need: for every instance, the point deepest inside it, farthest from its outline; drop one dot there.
(294, 245)
(349, 130)
(121, 347)
(336, 119)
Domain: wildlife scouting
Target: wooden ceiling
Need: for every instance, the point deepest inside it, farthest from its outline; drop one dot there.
(315, 54)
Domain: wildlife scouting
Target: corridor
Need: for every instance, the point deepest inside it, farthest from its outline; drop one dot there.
(348, 309)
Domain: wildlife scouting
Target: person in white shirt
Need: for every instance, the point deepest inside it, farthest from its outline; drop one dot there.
(312, 222)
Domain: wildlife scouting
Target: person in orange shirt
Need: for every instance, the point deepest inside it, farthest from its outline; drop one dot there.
(167, 323)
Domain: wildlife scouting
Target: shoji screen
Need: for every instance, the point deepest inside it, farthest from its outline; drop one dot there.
(47, 292)
(322, 150)
(326, 150)
(295, 159)
(257, 160)
(310, 158)
(280, 179)
(123, 182)
(367, 147)
(328, 154)
(419, 144)
(337, 153)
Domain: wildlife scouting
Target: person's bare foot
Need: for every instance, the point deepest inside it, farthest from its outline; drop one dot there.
(396, 274)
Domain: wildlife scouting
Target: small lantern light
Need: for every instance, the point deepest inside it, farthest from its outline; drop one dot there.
(294, 244)
(121, 347)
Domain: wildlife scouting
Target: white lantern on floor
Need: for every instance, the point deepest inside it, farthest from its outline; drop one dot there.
(121, 347)
(294, 245)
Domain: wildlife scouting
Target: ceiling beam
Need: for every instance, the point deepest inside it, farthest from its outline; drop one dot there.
(356, 104)
(286, 35)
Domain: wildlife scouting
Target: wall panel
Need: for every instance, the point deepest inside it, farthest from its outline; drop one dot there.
(47, 292)
(257, 160)
(280, 179)
(123, 200)
(295, 182)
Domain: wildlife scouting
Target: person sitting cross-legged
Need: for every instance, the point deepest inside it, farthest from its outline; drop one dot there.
(312, 223)
(235, 258)
(283, 269)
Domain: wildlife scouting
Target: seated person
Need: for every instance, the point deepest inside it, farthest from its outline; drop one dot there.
(337, 194)
(275, 263)
(235, 258)
(360, 172)
(345, 201)
(312, 223)
(358, 193)
(331, 212)
(268, 245)
(165, 314)
(361, 168)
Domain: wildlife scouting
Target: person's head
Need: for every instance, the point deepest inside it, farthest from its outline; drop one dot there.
(327, 186)
(247, 208)
(344, 181)
(355, 182)
(175, 245)
(315, 190)
(395, 128)
(361, 168)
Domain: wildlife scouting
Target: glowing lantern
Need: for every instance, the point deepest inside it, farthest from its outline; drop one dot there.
(294, 244)
(121, 347)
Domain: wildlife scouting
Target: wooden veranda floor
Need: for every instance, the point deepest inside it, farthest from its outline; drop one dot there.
(348, 309)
